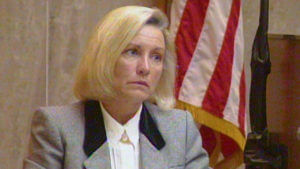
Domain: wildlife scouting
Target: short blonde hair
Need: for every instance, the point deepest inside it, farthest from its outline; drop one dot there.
(95, 72)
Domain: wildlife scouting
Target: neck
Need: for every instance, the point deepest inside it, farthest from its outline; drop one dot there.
(121, 110)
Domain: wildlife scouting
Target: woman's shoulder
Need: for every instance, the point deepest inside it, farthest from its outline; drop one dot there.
(61, 114)
(166, 113)
(170, 118)
(62, 109)
(172, 122)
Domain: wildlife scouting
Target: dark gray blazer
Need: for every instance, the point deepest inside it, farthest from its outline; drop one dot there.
(73, 137)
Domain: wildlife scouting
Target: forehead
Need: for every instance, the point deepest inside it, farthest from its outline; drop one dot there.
(150, 36)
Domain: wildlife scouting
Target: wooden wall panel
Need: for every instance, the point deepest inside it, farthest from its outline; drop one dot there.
(283, 94)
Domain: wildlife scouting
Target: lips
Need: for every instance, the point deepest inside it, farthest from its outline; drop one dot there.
(143, 83)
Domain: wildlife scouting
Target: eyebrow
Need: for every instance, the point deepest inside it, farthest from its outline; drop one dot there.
(139, 47)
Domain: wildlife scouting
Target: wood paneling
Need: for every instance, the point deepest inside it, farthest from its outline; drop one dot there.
(283, 94)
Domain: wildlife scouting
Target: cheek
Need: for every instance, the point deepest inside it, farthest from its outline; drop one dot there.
(157, 74)
(123, 70)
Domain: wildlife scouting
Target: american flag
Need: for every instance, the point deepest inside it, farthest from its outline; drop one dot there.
(211, 79)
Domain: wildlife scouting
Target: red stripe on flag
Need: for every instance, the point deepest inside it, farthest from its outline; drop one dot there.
(209, 140)
(188, 33)
(217, 92)
(228, 146)
(242, 104)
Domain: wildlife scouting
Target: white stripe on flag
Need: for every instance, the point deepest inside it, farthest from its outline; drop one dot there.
(205, 56)
(177, 9)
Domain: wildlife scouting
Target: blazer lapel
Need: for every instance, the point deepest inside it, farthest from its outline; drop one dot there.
(151, 143)
(150, 157)
(95, 141)
(99, 159)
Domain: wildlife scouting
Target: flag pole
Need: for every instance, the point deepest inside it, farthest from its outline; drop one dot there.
(260, 68)
(260, 150)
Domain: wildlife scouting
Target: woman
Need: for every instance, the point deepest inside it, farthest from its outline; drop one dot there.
(125, 82)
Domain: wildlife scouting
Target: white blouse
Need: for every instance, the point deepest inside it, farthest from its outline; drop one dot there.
(123, 140)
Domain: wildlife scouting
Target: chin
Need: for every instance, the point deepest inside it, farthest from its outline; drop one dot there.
(137, 96)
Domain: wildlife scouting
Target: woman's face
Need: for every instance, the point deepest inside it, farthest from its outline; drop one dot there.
(140, 65)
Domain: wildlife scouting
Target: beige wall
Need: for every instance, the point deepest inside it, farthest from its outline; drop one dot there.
(22, 74)
(41, 42)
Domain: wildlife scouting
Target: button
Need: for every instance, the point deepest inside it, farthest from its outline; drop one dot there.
(125, 139)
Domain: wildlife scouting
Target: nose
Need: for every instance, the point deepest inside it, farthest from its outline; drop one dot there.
(143, 67)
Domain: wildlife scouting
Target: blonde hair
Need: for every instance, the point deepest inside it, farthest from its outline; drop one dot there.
(95, 72)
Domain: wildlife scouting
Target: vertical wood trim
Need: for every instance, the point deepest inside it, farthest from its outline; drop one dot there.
(47, 53)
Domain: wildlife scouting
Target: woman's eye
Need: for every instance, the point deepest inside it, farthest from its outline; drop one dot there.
(132, 52)
(157, 57)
